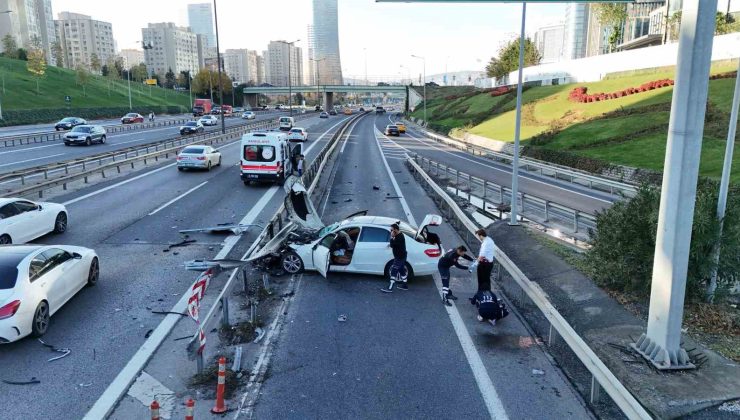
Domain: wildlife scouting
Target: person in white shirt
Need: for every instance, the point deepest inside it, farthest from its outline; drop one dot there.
(485, 260)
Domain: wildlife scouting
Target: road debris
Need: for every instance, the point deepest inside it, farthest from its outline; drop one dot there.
(184, 242)
(237, 366)
(85, 385)
(169, 313)
(65, 351)
(376, 188)
(235, 228)
(260, 333)
(148, 334)
(222, 264)
(348, 200)
(31, 382)
(538, 372)
(342, 318)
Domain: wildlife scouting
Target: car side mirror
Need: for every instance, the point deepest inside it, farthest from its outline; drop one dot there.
(76, 256)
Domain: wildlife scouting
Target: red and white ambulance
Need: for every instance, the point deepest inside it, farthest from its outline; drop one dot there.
(265, 156)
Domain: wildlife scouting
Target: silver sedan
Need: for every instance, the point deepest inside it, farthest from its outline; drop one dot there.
(198, 157)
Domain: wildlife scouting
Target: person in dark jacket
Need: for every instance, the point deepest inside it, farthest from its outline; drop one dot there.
(398, 272)
(448, 260)
(490, 307)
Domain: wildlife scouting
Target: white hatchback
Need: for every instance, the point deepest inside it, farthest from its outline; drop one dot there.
(207, 120)
(23, 220)
(37, 280)
(298, 134)
(249, 115)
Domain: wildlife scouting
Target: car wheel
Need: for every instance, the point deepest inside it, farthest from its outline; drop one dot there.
(66, 143)
(209, 166)
(60, 224)
(5, 240)
(291, 263)
(102, 140)
(40, 323)
(247, 183)
(88, 142)
(180, 169)
(219, 161)
(94, 273)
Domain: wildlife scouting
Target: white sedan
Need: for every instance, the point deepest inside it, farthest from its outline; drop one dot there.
(23, 220)
(298, 134)
(207, 120)
(249, 115)
(37, 280)
(357, 244)
(198, 157)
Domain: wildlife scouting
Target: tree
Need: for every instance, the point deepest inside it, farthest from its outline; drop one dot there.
(82, 77)
(110, 72)
(36, 65)
(10, 46)
(58, 53)
(725, 24)
(206, 83)
(183, 79)
(118, 65)
(612, 15)
(95, 64)
(139, 72)
(22, 54)
(508, 58)
(169, 79)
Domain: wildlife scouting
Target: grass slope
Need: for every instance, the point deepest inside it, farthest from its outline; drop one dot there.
(629, 131)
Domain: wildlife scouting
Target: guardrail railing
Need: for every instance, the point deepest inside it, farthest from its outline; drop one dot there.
(539, 167)
(487, 196)
(601, 375)
(311, 177)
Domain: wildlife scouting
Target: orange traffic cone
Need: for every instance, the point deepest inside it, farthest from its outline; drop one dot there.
(220, 388)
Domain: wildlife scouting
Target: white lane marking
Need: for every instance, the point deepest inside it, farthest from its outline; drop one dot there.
(110, 397)
(30, 160)
(485, 385)
(147, 389)
(406, 209)
(183, 195)
(31, 148)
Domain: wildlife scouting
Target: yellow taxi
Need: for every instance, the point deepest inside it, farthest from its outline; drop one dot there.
(401, 127)
(347, 111)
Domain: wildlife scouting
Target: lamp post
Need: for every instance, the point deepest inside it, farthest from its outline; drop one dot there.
(424, 61)
(218, 64)
(318, 80)
(128, 74)
(290, 81)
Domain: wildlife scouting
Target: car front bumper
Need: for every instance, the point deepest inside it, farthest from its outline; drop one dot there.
(75, 140)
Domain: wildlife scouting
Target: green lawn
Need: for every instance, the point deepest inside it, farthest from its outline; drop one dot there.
(18, 90)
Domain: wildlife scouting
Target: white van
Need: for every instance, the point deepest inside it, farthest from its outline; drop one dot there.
(286, 123)
(265, 156)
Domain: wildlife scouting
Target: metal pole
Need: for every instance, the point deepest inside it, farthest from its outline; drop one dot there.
(662, 342)
(130, 106)
(218, 64)
(424, 63)
(725, 185)
(517, 126)
(290, 87)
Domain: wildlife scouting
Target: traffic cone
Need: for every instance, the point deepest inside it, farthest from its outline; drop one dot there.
(220, 407)
(189, 405)
(155, 410)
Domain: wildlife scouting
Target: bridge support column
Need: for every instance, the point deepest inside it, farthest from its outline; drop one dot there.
(251, 99)
(328, 100)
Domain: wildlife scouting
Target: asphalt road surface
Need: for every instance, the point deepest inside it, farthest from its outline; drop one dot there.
(129, 225)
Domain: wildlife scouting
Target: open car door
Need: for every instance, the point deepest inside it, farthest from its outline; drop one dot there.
(299, 206)
(322, 254)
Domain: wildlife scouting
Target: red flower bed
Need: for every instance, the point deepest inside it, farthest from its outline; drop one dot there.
(580, 94)
(501, 90)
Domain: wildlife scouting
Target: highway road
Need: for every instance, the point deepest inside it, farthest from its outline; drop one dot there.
(561, 192)
(35, 154)
(49, 127)
(130, 224)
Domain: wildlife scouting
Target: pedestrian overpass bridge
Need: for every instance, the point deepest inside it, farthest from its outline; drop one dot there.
(251, 93)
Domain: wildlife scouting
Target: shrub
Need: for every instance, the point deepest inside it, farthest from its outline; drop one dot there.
(33, 116)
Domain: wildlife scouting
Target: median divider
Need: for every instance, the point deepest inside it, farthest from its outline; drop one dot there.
(602, 377)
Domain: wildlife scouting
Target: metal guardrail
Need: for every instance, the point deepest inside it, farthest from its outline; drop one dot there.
(480, 192)
(601, 375)
(276, 223)
(542, 168)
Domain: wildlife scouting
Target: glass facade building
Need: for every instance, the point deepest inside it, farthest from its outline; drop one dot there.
(200, 20)
(326, 41)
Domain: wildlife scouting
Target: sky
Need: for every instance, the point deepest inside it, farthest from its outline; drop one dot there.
(453, 37)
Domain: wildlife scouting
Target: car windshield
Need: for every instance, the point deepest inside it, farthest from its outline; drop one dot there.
(191, 124)
(193, 150)
(259, 153)
(69, 120)
(130, 115)
(81, 129)
(8, 276)
(296, 130)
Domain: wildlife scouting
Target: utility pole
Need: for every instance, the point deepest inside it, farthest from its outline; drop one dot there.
(218, 64)
(128, 73)
(290, 81)
(513, 221)
(424, 83)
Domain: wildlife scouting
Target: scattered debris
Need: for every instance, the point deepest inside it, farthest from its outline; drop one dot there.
(237, 359)
(335, 202)
(182, 338)
(376, 188)
(260, 333)
(65, 351)
(222, 264)
(148, 334)
(169, 313)
(342, 318)
(86, 385)
(235, 228)
(31, 382)
(348, 200)
(538, 372)
(184, 242)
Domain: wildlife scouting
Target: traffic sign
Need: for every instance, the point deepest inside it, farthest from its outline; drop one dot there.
(150, 81)
(67, 99)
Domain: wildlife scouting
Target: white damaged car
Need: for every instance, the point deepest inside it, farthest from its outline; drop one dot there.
(357, 244)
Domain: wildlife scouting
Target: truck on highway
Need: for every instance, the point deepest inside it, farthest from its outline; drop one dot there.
(202, 107)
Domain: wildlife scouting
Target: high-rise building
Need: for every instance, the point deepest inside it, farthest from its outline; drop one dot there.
(550, 42)
(597, 38)
(81, 36)
(172, 47)
(326, 41)
(576, 30)
(283, 59)
(310, 63)
(131, 57)
(200, 19)
(30, 23)
(241, 65)
(261, 78)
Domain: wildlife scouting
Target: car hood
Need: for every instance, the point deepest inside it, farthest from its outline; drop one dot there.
(299, 207)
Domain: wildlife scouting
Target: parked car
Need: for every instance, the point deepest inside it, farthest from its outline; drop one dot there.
(132, 118)
(191, 127)
(36, 281)
(324, 115)
(23, 220)
(332, 111)
(392, 130)
(85, 134)
(207, 120)
(249, 115)
(69, 123)
(401, 127)
(298, 134)
(198, 157)
(366, 250)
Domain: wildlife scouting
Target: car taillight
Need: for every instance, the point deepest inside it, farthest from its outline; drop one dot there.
(433, 252)
(10, 309)
(201, 158)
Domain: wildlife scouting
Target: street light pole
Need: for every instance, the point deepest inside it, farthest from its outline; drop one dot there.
(517, 127)
(218, 64)
(424, 82)
(130, 106)
(318, 79)
(290, 81)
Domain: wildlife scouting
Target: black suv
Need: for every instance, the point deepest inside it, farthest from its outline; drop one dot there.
(69, 123)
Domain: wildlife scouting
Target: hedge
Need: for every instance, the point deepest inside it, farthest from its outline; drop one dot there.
(34, 116)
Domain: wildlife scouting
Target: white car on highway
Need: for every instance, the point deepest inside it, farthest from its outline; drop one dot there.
(37, 280)
(249, 115)
(357, 244)
(23, 220)
(198, 157)
(298, 134)
(207, 120)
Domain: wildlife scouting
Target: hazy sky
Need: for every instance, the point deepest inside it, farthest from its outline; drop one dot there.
(456, 35)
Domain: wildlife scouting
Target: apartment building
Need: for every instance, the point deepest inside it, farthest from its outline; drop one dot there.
(81, 36)
(168, 46)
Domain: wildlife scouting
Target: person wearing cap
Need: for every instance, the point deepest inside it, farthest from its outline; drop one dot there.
(448, 260)
(485, 260)
(398, 272)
